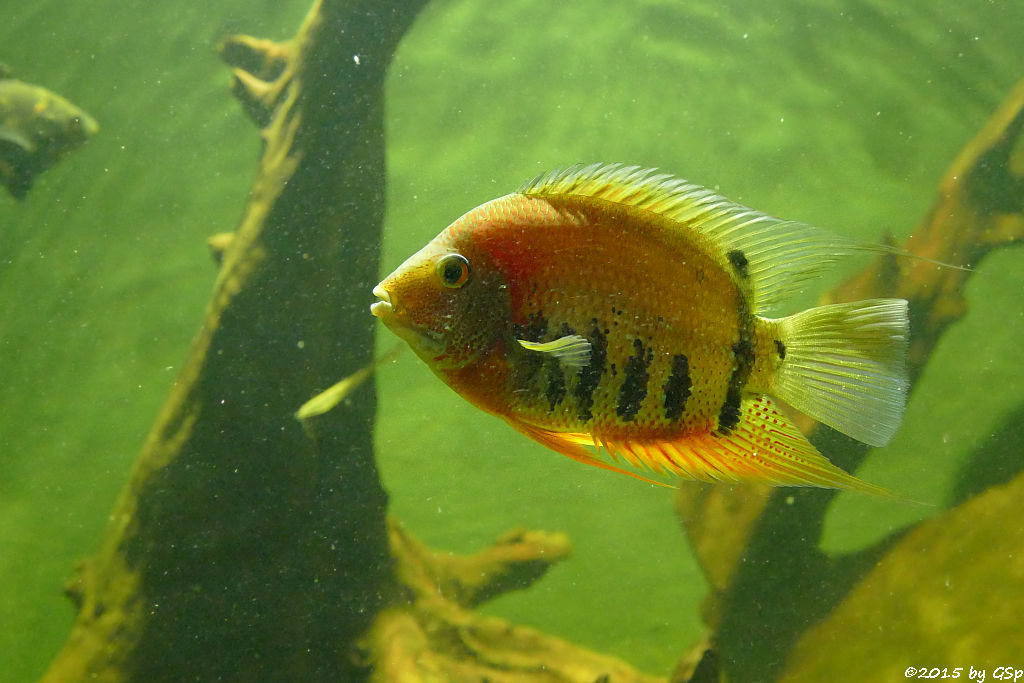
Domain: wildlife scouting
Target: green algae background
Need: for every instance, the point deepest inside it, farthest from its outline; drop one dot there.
(843, 114)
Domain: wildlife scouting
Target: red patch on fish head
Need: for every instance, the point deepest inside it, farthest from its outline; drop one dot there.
(446, 300)
(507, 236)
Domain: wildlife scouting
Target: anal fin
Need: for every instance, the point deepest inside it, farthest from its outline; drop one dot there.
(571, 445)
(765, 447)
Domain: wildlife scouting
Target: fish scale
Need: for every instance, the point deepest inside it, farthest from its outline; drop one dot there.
(666, 322)
(598, 405)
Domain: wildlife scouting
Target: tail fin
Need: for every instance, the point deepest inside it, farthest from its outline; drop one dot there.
(845, 366)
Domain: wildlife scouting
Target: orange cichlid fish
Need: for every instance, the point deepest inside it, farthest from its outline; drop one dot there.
(612, 307)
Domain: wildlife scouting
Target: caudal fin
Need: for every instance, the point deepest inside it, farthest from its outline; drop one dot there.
(846, 365)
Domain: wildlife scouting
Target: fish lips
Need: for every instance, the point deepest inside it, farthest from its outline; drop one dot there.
(384, 307)
(428, 344)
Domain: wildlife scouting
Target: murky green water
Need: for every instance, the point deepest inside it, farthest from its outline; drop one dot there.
(841, 114)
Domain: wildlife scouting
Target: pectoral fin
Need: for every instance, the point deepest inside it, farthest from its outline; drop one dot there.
(572, 351)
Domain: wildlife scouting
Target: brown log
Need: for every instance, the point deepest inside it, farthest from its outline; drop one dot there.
(759, 546)
(240, 549)
(434, 636)
(946, 595)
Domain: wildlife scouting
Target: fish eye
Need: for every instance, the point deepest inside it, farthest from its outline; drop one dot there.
(453, 270)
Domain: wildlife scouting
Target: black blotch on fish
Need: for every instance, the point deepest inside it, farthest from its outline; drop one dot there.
(634, 385)
(555, 392)
(590, 375)
(677, 387)
(743, 353)
(781, 349)
(534, 329)
(729, 415)
(739, 263)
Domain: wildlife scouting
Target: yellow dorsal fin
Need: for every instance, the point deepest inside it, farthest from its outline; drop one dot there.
(768, 257)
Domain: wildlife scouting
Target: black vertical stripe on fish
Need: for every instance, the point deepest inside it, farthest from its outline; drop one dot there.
(677, 388)
(743, 351)
(739, 263)
(555, 391)
(634, 385)
(534, 329)
(590, 375)
(729, 415)
(781, 348)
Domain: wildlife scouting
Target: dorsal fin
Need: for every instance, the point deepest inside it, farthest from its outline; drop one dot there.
(768, 257)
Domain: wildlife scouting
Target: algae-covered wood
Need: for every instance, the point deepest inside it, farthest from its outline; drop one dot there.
(242, 549)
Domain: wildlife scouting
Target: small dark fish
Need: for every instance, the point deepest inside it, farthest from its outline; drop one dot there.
(37, 128)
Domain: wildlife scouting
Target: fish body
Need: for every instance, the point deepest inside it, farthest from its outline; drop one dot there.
(37, 128)
(608, 307)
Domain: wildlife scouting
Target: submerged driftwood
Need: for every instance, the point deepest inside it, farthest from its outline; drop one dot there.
(759, 547)
(433, 635)
(248, 547)
(241, 549)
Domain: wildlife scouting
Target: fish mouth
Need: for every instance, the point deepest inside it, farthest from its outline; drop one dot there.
(384, 306)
